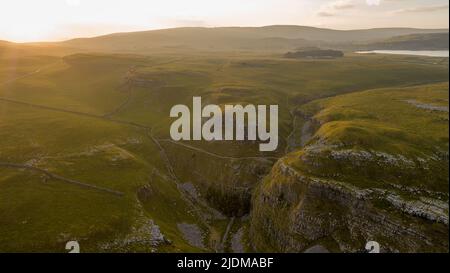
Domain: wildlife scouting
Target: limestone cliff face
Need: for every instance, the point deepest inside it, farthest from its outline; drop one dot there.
(226, 183)
(292, 211)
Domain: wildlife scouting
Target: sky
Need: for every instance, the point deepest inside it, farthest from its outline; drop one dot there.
(53, 20)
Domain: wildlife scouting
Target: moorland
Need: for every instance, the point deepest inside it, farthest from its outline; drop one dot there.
(86, 153)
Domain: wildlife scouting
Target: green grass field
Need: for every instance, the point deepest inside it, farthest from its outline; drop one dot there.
(396, 123)
(103, 120)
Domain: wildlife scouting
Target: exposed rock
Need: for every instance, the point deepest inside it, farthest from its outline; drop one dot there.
(292, 211)
(317, 249)
(146, 234)
(190, 189)
(428, 106)
(225, 183)
(192, 234)
(427, 208)
(236, 241)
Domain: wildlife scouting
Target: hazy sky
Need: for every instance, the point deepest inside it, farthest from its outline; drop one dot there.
(37, 20)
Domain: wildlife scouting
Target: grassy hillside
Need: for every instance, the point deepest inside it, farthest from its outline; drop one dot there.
(85, 152)
(374, 168)
(269, 38)
(428, 41)
(378, 125)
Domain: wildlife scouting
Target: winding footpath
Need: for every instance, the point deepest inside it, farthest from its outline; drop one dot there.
(218, 155)
(61, 178)
(29, 74)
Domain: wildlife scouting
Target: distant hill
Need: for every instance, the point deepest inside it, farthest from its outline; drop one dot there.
(425, 41)
(237, 38)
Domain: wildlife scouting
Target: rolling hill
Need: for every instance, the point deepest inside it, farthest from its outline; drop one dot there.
(86, 153)
(364, 172)
(427, 41)
(236, 38)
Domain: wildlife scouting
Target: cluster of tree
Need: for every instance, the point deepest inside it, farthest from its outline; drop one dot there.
(315, 53)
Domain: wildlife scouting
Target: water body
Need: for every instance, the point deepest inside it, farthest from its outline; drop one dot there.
(428, 53)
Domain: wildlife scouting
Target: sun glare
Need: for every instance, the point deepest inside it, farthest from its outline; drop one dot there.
(51, 20)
